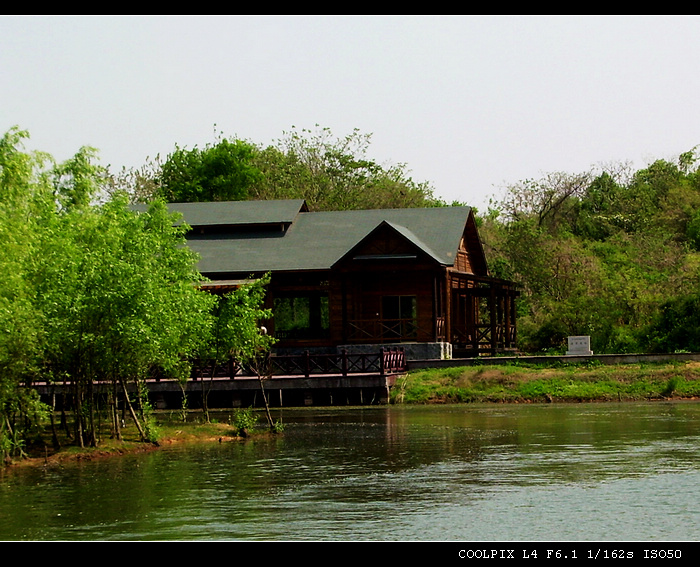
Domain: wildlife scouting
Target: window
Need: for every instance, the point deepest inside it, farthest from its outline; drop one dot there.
(302, 316)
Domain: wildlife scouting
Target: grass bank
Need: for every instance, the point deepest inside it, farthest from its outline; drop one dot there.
(557, 382)
(171, 429)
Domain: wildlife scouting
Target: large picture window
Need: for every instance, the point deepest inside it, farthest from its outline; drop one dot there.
(301, 316)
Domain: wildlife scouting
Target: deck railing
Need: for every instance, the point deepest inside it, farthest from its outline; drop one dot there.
(386, 361)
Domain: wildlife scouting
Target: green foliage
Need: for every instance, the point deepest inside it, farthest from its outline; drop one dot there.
(243, 421)
(89, 290)
(23, 188)
(611, 254)
(335, 174)
(693, 230)
(219, 172)
(118, 291)
(676, 326)
(236, 330)
(329, 173)
(78, 180)
(597, 215)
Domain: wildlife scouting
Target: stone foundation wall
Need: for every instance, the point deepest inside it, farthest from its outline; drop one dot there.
(413, 351)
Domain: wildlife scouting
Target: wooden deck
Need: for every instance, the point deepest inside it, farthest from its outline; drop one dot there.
(289, 380)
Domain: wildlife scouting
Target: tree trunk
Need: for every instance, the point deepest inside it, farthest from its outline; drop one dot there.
(270, 423)
(127, 401)
(54, 433)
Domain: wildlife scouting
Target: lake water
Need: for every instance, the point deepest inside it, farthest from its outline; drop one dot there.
(589, 472)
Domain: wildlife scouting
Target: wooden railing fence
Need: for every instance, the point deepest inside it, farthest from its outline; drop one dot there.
(386, 361)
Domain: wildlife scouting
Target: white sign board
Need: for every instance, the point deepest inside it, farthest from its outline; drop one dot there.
(580, 345)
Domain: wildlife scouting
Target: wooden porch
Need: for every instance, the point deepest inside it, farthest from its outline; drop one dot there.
(483, 315)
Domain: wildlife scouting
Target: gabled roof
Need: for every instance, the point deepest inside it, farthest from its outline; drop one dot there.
(314, 240)
(415, 244)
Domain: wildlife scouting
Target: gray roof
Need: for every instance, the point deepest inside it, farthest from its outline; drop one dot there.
(232, 213)
(314, 240)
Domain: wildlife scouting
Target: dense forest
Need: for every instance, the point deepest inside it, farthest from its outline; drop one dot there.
(613, 254)
(90, 289)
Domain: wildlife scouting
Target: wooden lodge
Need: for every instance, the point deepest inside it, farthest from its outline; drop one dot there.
(359, 280)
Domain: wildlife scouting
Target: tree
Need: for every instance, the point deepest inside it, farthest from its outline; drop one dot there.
(22, 190)
(546, 200)
(87, 291)
(140, 184)
(120, 296)
(236, 334)
(219, 172)
(329, 173)
(79, 179)
(600, 254)
(335, 174)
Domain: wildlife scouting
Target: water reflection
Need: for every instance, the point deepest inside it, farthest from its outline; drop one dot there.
(578, 472)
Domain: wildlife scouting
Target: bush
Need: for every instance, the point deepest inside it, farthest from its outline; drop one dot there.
(243, 421)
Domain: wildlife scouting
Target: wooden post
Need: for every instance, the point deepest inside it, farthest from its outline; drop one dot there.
(514, 339)
(492, 312)
(506, 305)
(448, 308)
(475, 304)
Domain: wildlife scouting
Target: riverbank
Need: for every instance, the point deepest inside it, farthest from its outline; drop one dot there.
(511, 382)
(42, 453)
(547, 382)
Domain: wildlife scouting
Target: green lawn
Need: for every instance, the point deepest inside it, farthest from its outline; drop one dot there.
(521, 382)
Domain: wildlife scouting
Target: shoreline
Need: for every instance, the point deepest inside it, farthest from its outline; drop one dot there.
(181, 434)
(517, 382)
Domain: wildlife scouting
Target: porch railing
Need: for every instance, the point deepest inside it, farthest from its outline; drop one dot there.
(392, 330)
(481, 337)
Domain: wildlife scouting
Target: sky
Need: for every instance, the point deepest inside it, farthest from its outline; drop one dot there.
(469, 104)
